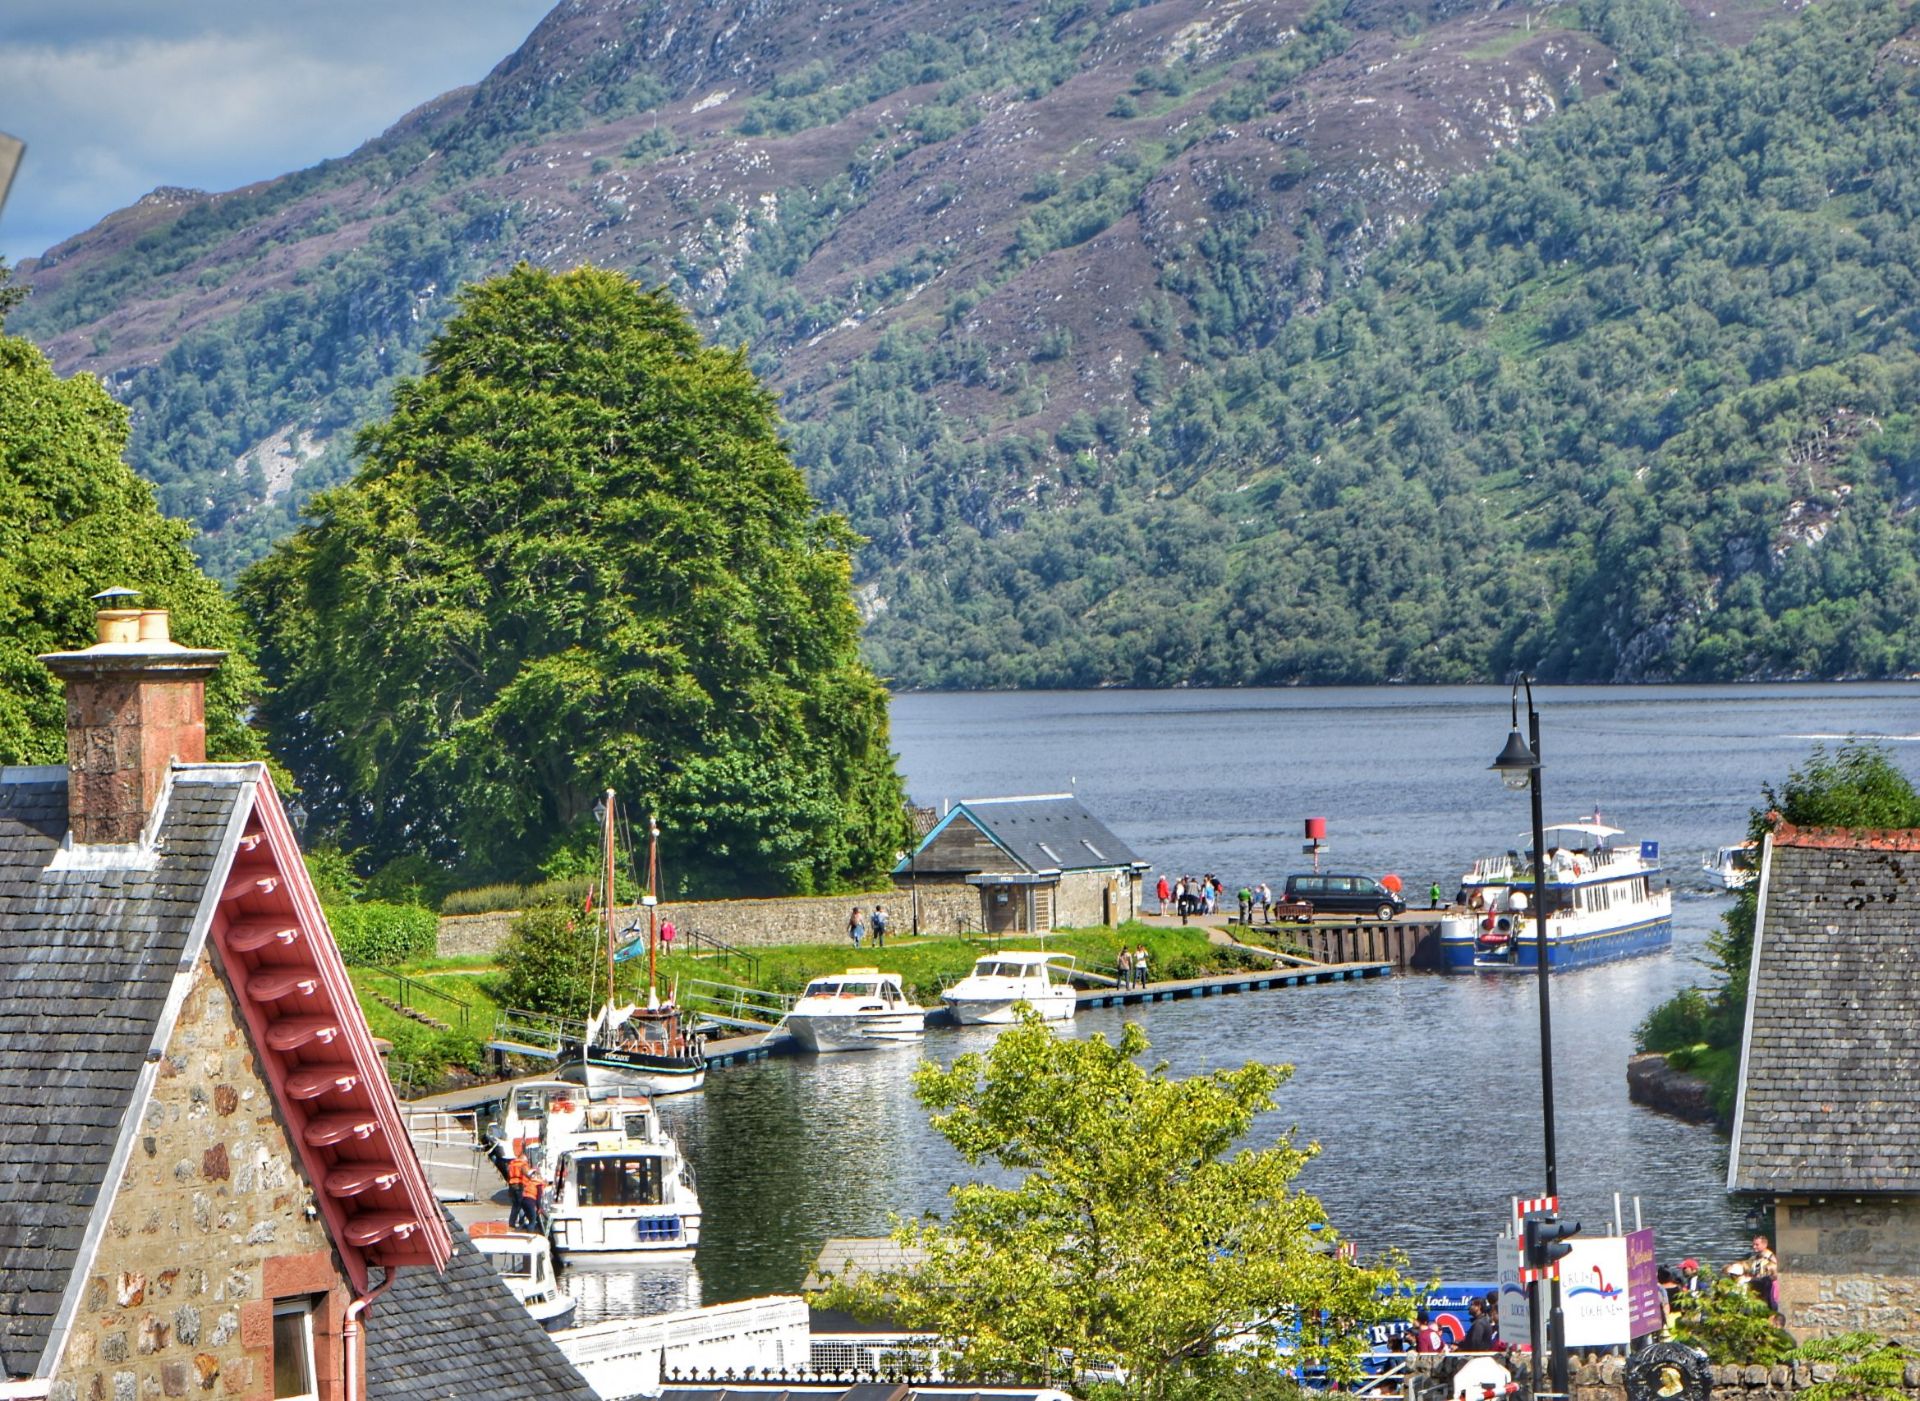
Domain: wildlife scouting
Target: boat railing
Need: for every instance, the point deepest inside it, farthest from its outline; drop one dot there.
(447, 1142)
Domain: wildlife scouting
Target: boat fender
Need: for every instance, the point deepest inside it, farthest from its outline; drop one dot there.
(1487, 923)
(1576, 865)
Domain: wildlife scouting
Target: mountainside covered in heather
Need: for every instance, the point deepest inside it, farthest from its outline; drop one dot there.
(1134, 337)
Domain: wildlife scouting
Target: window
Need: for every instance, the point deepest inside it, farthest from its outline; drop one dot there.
(293, 1349)
(618, 1181)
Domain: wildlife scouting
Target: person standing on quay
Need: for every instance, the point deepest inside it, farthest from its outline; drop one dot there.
(517, 1176)
(1433, 896)
(856, 926)
(1123, 967)
(1140, 966)
(1246, 906)
(1163, 890)
(879, 926)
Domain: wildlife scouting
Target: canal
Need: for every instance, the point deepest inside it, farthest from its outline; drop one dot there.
(1421, 1091)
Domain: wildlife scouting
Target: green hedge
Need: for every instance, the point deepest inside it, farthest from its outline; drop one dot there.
(380, 935)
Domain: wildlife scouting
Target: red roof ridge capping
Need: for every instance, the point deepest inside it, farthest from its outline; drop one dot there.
(1786, 833)
(332, 1091)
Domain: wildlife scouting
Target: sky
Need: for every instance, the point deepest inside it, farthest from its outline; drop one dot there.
(116, 97)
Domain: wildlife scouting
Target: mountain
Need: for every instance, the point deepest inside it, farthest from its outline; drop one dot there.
(1204, 340)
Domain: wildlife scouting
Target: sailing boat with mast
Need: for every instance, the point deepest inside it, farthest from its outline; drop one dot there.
(645, 1048)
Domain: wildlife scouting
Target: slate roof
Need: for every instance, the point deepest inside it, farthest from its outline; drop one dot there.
(87, 960)
(1045, 833)
(1829, 1092)
(463, 1335)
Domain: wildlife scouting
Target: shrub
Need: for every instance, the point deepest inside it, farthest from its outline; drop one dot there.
(485, 899)
(1731, 1324)
(380, 935)
(1682, 1020)
(551, 963)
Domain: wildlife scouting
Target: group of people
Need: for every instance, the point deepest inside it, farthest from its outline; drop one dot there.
(1131, 967)
(859, 924)
(1190, 895)
(1760, 1272)
(1482, 1335)
(526, 1195)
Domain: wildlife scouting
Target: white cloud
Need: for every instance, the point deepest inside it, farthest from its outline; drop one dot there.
(116, 97)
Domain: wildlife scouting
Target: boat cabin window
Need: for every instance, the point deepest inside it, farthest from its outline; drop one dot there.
(823, 987)
(516, 1263)
(637, 1125)
(611, 1181)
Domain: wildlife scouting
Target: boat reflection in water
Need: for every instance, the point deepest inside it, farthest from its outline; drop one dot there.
(629, 1290)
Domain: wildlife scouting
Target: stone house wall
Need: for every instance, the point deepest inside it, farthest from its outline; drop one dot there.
(210, 1225)
(1597, 1377)
(1850, 1263)
(1080, 900)
(813, 919)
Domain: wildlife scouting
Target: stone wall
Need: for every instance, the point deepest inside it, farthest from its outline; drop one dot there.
(1596, 1377)
(1850, 1262)
(1080, 901)
(817, 919)
(209, 1226)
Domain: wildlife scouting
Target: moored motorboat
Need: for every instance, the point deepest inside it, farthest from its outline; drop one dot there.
(861, 1009)
(524, 1261)
(635, 1198)
(1604, 900)
(1731, 867)
(999, 982)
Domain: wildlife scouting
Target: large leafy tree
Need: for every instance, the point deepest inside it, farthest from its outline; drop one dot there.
(73, 520)
(1136, 1238)
(576, 556)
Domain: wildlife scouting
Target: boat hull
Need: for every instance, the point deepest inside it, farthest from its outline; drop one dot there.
(656, 1235)
(855, 1031)
(999, 1011)
(607, 1069)
(1461, 954)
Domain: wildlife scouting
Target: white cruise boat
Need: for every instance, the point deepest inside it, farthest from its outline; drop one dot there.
(987, 996)
(522, 1119)
(524, 1260)
(1732, 867)
(1604, 900)
(861, 1009)
(619, 1184)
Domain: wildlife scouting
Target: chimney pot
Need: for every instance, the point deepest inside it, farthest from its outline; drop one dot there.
(117, 625)
(153, 625)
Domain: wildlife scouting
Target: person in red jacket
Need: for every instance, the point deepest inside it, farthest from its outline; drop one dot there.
(1165, 892)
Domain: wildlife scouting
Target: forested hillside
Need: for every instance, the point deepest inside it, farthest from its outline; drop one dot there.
(1133, 336)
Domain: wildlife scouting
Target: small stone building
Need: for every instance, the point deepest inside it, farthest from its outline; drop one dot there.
(1827, 1123)
(208, 1184)
(1039, 863)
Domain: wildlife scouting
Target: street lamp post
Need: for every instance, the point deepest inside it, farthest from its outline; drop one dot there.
(1519, 767)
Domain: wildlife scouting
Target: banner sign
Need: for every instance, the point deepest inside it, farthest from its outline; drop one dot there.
(1593, 1292)
(1646, 1311)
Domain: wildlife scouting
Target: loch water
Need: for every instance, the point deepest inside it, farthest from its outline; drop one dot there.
(1422, 1091)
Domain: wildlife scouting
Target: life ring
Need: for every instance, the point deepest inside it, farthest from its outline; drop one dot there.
(1576, 865)
(1504, 925)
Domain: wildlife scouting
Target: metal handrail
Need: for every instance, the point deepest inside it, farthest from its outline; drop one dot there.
(408, 986)
(728, 952)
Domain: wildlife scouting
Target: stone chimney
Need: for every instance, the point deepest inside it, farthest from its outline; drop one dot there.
(136, 704)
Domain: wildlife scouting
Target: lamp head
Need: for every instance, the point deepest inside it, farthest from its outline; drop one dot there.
(1516, 762)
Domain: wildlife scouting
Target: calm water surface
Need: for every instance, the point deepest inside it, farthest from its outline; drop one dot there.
(1421, 1091)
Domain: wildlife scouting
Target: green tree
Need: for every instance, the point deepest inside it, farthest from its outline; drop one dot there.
(553, 962)
(577, 556)
(74, 520)
(1135, 1238)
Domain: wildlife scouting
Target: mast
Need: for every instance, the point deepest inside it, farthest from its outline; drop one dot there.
(606, 890)
(653, 910)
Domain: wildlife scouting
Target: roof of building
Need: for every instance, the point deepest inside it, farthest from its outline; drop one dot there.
(87, 962)
(462, 1336)
(1830, 1071)
(1049, 832)
(858, 1391)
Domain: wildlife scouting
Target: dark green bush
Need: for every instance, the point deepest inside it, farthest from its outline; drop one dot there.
(1682, 1020)
(380, 935)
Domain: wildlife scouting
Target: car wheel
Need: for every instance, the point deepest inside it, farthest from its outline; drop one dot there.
(1384, 912)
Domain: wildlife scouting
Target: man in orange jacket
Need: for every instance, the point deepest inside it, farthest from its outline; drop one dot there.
(519, 1174)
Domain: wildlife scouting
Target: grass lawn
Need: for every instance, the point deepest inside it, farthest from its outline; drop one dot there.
(421, 1054)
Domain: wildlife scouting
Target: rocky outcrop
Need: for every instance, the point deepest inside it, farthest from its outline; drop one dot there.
(1655, 1084)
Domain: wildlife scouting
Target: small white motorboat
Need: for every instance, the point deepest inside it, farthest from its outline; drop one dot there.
(525, 1261)
(861, 1009)
(1731, 867)
(999, 982)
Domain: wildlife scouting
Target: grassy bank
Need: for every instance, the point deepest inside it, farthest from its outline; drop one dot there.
(423, 1055)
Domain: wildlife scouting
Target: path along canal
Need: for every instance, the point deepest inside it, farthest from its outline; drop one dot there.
(1421, 1090)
